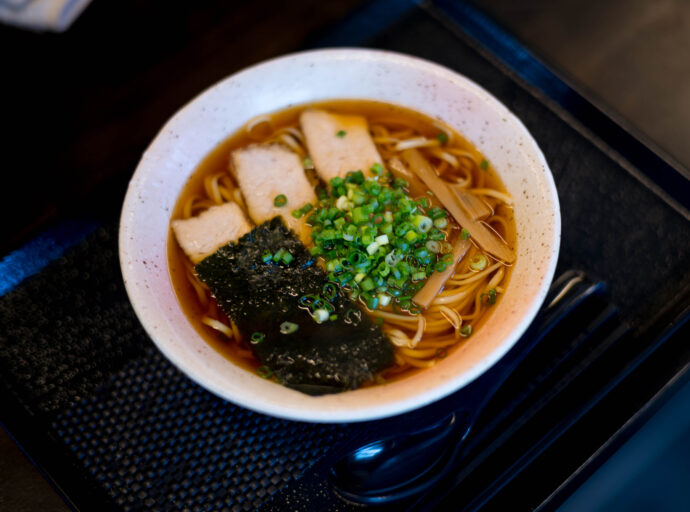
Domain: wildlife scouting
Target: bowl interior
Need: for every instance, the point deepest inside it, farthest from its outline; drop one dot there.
(313, 76)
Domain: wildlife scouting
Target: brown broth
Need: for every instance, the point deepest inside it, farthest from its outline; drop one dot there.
(218, 160)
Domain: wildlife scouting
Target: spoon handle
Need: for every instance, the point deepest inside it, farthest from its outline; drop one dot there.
(428, 443)
(568, 293)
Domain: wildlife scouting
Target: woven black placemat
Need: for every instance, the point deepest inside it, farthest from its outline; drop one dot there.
(146, 433)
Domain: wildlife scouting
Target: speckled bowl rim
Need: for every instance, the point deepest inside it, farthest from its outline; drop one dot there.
(203, 123)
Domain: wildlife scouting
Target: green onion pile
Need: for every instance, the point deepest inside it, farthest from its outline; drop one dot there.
(379, 244)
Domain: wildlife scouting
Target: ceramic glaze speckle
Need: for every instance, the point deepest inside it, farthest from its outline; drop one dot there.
(207, 120)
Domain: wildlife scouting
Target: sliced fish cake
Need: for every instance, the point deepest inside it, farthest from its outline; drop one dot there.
(202, 235)
(265, 171)
(338, 143)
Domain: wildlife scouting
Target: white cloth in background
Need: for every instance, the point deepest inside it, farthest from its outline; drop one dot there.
(56, 15)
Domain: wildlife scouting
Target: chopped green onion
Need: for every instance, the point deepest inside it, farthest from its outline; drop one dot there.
(423, 202)
(377, 168)
(466, 331)
(341, 133)
(257, 337)
(436, 213)
(441, 222)
(373, 238)
(442, 137)
(280, 200)
(321, 193)
(464, 234)
(286, 257)
(436, 234)
(400, 183)
(264, 372)
(307, 163)
(484, 165)
(411, 236)
(490, 296)
(422, 223)
(478, 262)
(321, 315)
(372, 248)
(343, 204)
(356, 177)
(372, 302)
(440, 266)
(433, 246)
(288, 327)
(267, 257)
(277, 256)
(333, 317)
(308, 300)
(417, 276)
(367, 284)
(329, 291)
(353, 316)
(300, 212)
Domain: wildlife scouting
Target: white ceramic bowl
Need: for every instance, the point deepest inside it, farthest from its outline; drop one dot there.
(319, 75)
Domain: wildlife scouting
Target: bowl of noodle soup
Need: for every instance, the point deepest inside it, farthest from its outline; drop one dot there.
(415, 110)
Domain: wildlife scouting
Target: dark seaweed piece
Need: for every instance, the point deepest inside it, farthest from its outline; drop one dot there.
(316, 359)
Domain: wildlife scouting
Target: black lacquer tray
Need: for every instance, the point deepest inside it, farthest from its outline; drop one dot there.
(113, 425)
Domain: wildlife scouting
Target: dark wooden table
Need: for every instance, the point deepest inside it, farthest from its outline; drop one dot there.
(80, 107)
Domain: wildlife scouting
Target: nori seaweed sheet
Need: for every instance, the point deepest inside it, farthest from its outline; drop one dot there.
(316, 359)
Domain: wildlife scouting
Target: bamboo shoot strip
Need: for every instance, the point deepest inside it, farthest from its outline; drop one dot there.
(436, 282)
(473, 205)
(480, 234)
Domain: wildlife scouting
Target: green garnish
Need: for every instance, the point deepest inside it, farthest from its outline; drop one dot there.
(264, 372)
(341, 133)
(466, 331)
(353, 316)
(278, 255)
(441, 223)
(492, 296)
(377, 168)
(288, 327)
(257, 337)
(321, 315)
(280, 200)
(329, 291)
(307, 163)
(442, 137)
(373, 238)
(267, 257)
(478, 262)
(286, 257)
(302, 211)
(484, 165)
(464, 234)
